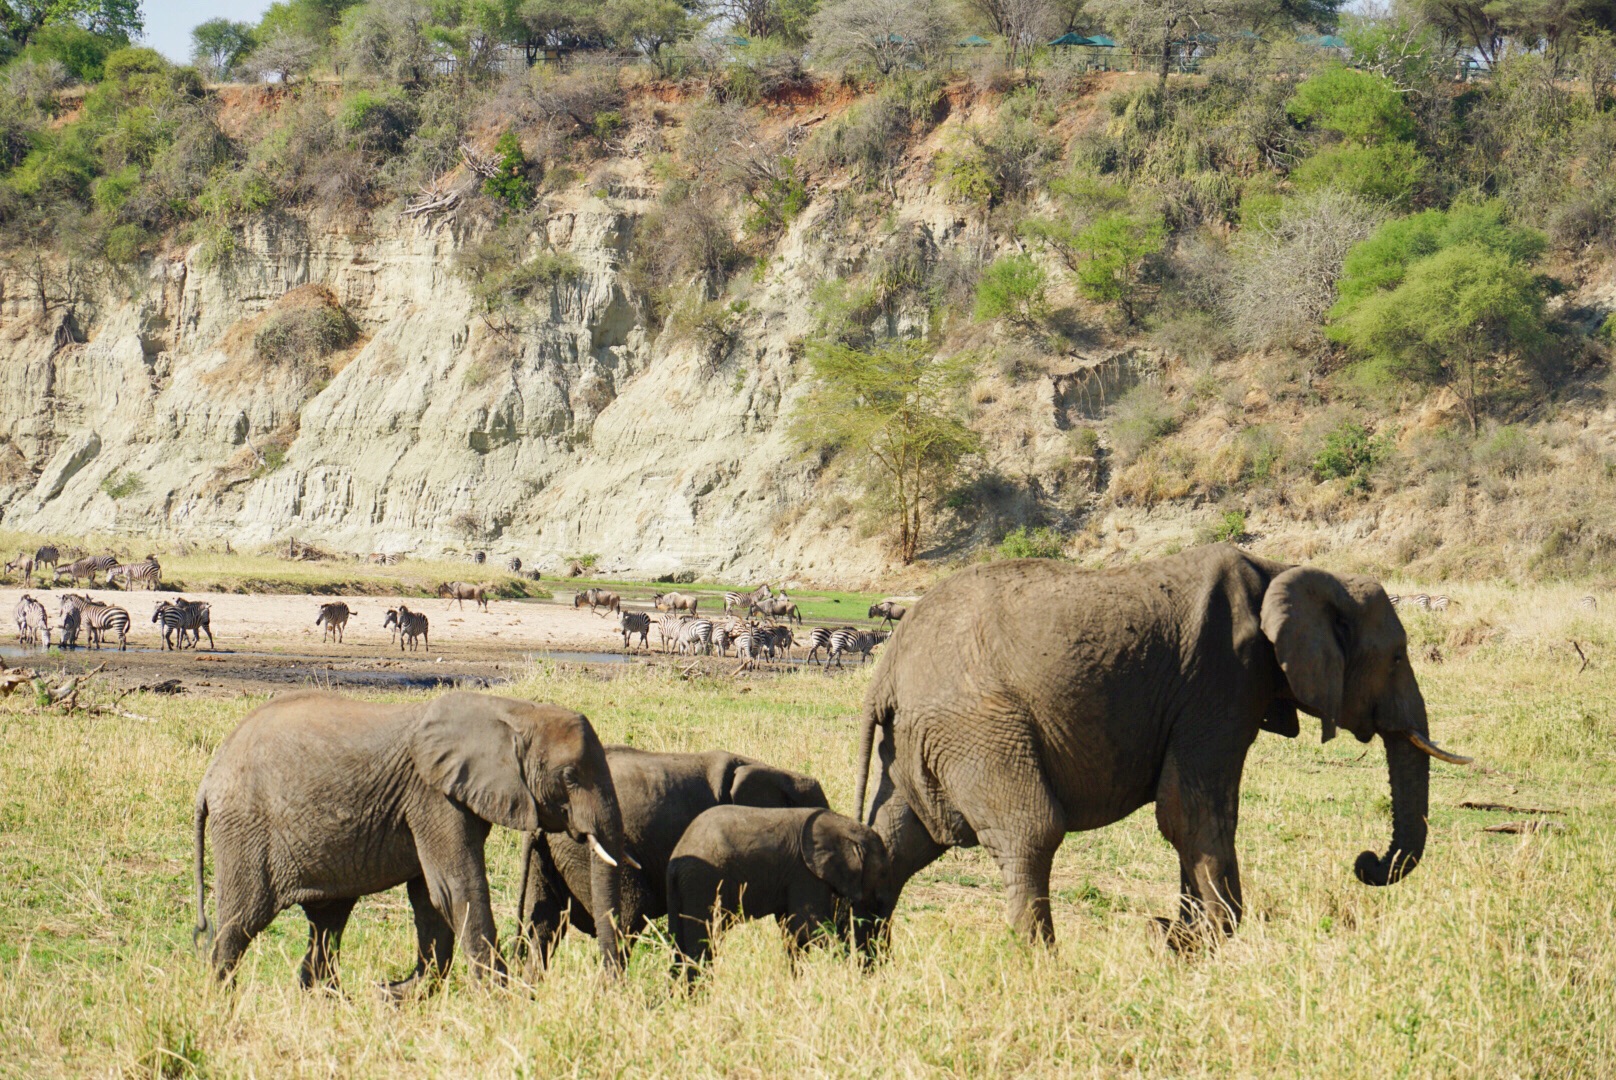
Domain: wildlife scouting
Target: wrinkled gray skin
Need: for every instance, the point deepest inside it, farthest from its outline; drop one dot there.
(318, 800)
(659, 795)
(811, 869)
(1024, 700)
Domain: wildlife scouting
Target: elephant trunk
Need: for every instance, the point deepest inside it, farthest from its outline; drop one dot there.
(1410, 771)
(602, 829)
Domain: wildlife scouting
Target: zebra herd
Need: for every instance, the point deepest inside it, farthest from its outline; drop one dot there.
(148, 573)
(1424, 601)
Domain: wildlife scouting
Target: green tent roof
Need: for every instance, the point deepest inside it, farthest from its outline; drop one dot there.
(975, 41)
(1104, 41)
(1071, 39)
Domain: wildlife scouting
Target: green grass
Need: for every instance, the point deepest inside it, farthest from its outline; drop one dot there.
(1495, 958)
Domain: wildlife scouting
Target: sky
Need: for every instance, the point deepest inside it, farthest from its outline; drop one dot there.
(169, 22)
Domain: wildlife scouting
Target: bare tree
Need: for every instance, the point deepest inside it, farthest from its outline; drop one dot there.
(880, 34)
(1284, 277)
(284, 56)
(388, 39)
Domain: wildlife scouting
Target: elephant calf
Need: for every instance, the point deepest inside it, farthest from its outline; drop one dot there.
(658, 795)
(811, 869)
(318, 800)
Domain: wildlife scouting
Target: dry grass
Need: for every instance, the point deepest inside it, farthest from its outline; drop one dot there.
(1494, 959)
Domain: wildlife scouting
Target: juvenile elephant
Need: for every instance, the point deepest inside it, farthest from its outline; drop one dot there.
(658, 795)
(318, 800)
(811, 869)
(1023, 700)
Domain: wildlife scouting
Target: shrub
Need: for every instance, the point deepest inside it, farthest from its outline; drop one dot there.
(303, 334)
(1024, 543)
(1358, 105)
(777, 199)
(119, 485)
(511, 186)
(1013, 288)
(1387, 173)
(1142, 416)
(1350, 452)
(1115, 249)
(1229, 528)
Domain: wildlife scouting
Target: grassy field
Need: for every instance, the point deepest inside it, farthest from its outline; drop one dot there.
(1496, 958)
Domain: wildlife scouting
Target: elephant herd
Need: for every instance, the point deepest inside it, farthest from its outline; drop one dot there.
(1017, 702)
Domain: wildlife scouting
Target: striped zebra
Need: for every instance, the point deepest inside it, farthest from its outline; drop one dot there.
(47, 555)
(99, 620)
(783, 640)
(187, 617)
(635, 622)
(846, 639)
(1440, 603)
(818, 638)
(723, 636)
(694, 634)
(411, 625)
(70, 628)
(148, 572)
(33, 624)
(744, 601)
(1588, 603)
(668, 628)
(754, 644)
(335, 617)
(87, 567)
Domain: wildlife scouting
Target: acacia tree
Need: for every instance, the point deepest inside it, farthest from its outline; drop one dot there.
(879, 34)
(219, 43)
(893, 408)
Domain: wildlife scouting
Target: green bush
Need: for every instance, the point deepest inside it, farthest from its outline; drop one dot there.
(1013, 288)
(1230, 528)
(1141, 417)
(1350, 452)
(124, 244)
(511, 186)
(1357, 105)
(1024, 543)
(778, 200)
(1388, 173)
(82, 53)
(1115, 249)
(120, 485)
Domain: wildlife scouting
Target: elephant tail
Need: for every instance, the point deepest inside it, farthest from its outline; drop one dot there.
(878, 712)
(204, 929)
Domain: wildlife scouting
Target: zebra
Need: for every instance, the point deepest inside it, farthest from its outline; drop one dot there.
(460, 592)
(888, 611)
(186, 616)
(694, 633)
(335, 617)
(148, 572)
(783, 640)
(513, 564)
(668, 628)
(754, 644)
(635, 622)
(23, 565)
(87, 567)
(411, 624)
(598, 598)
(847, 639)
(70, 628)
(99, 619)
(744, 601)
(1440, 603)
(33, 624)
(47, 555)
(1588, 603)
(818, 638)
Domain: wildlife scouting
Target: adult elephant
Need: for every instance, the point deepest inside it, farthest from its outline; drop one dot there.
(659, 795)
(1023, 700)
(318, 800)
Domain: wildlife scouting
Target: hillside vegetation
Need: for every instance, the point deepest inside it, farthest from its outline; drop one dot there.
(1340, 297)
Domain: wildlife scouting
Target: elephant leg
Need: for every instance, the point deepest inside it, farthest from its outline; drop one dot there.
(326, 923)
(544, 906)
(1198, 816)
(451, 857)
(246, 904)
(434, 942)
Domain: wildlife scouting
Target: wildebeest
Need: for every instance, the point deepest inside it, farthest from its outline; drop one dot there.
(673, 601)
(23, 565)
(335, 617)
(888, 611)
(778, 607)
(598, 598)
(460, 592)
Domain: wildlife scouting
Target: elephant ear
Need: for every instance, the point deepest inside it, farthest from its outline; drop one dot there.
(757, 784)
(834, 855)
(1301, 615)
(464, 749)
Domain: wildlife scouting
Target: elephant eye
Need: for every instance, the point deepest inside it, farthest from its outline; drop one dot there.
(569, 775)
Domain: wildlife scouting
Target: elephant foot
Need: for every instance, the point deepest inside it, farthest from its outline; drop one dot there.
(1187, 938)
(415, 987)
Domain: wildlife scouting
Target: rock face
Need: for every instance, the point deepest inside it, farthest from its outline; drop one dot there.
(441, 431)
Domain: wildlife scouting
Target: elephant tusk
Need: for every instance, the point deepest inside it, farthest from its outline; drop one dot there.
(600, 851)
(1424, 746)
(631, 860)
